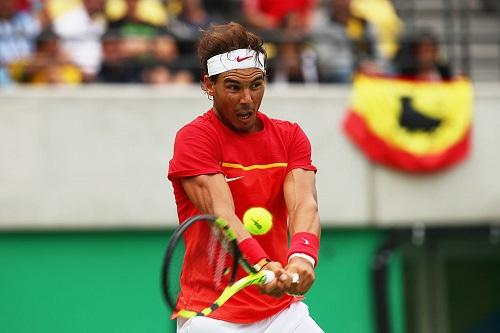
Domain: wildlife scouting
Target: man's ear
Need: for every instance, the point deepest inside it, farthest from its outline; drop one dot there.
(209, 85)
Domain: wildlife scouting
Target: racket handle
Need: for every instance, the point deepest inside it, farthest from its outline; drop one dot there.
(268, 276)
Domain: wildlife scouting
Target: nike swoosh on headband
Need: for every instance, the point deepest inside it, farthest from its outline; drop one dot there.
(238, 59)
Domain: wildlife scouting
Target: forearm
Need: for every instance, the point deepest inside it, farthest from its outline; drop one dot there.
(305, 218)
(210, 195)
(302, 202)
(304, 225)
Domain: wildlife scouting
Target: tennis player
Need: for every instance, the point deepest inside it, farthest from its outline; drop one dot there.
(233, 158)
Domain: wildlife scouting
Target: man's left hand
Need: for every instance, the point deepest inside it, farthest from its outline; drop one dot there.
(305, 271)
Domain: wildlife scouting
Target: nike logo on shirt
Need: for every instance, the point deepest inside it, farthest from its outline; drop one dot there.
(232, 179)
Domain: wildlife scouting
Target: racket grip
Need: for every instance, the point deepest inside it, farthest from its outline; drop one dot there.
(268, 276)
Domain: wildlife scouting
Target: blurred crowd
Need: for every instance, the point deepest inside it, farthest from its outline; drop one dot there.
(154, 41)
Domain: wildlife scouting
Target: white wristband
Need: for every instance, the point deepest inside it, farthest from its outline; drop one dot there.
(304, 256)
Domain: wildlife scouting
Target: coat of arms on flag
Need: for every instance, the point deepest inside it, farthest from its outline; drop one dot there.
(411, 125)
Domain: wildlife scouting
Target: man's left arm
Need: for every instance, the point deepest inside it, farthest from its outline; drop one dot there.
(304, 226)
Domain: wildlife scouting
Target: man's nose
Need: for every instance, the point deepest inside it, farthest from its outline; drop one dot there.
(245, 96)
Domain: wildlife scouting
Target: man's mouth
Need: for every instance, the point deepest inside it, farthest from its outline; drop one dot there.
(244, 115)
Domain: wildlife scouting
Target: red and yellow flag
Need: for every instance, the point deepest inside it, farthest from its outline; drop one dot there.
(412, 125)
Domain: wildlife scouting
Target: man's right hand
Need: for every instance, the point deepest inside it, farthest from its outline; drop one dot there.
(281, 283)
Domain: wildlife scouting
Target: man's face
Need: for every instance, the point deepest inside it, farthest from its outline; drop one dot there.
(427, 54)
(237, 96)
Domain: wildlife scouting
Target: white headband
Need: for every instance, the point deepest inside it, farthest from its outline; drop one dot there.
(237, 59)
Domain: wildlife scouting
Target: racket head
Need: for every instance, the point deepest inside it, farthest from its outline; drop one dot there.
(175, 255)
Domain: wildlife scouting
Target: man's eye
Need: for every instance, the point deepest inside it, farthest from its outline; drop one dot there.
(233, 87)
(255, 85)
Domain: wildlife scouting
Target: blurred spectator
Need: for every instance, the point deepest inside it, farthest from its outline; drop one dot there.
(188, 18)
(48, 65)
(23, 5)
(224, 10)
(271, 14)
(344, 43)
(160, 73)
(137, 42)
(130, 57)
(147, 12)
(142, 25)
(114, 67)
(419, 57)
(18, 30)
(287, 24)
(33, 6)
(194, 15)
(185, 23)
(80, 25)
(335, 56)
(136, 25)
(386, 24)
(125, 56)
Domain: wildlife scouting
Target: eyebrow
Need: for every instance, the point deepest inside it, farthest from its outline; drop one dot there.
(229, 80)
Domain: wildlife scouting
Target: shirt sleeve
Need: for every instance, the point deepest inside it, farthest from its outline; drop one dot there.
(196, 152)
(299, 152)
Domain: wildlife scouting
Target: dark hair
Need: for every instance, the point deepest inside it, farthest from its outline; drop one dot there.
(224, 38)
(47, 35)
(405, 60)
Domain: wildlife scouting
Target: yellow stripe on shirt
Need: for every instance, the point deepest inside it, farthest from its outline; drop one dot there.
(255, 166)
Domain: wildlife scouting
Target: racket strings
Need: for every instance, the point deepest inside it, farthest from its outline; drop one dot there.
(218, 256)
(213, 241)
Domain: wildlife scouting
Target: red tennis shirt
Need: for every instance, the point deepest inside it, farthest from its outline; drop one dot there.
(255, 166)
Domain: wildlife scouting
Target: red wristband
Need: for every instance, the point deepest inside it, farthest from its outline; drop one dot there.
(252, 250)
(305, 242)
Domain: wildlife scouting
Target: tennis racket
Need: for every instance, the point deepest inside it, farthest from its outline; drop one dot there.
(220, 244)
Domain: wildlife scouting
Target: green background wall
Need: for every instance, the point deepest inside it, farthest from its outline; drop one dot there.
(109, 282)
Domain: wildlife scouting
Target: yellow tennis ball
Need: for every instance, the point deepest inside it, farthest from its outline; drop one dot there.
(258, 220)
